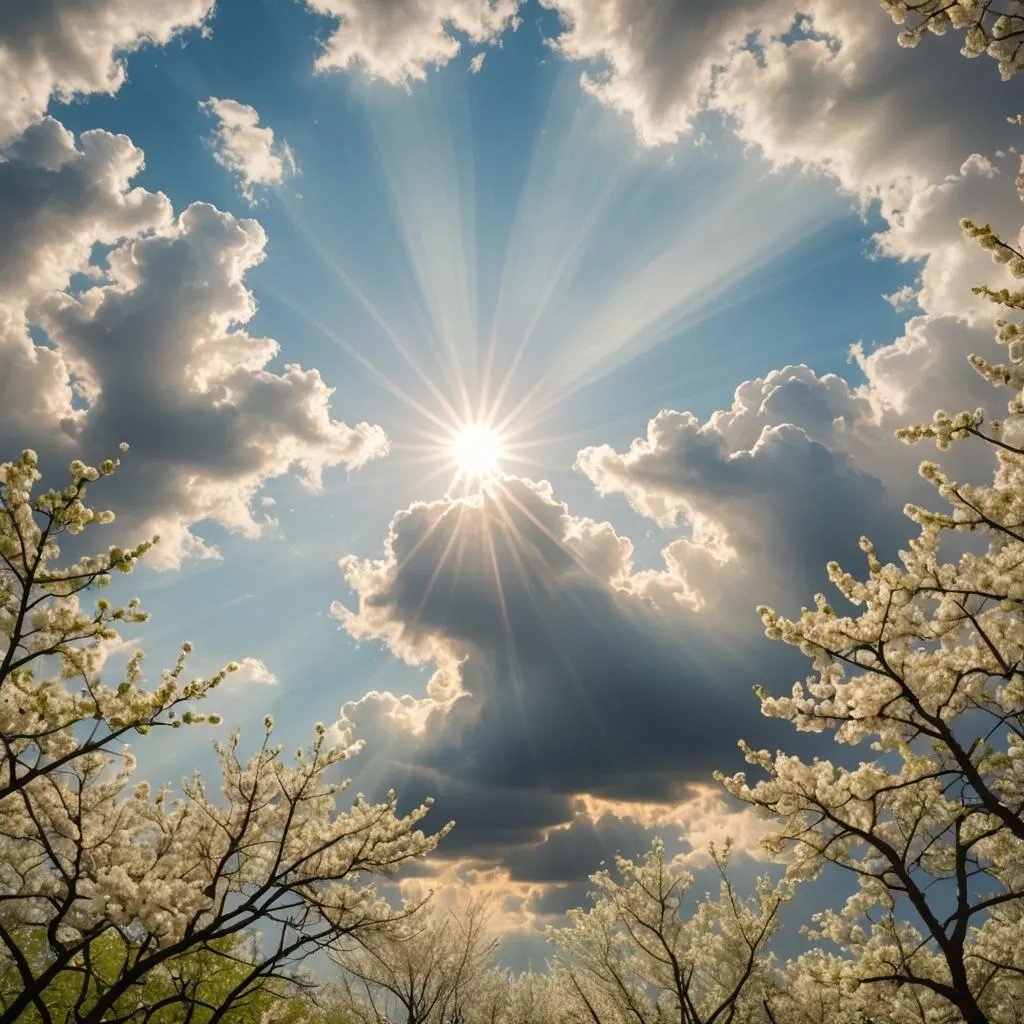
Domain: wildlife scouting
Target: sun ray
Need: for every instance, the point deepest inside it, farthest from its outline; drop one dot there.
(507, 494)
(689, 272)
(563, 198)
(554, 190)
(511, 653)
(441, 562)
(371, 309)
(427, 167)
(378, 375)
(528, 585)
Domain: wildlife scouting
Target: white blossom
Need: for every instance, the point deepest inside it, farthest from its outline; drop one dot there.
(635, 956)
(993, 28)
(422, 970)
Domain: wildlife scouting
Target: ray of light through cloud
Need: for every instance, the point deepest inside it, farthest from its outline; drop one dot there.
(426, 156)
(610, 252)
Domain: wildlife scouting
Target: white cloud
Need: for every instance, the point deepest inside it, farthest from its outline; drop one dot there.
(252, 671)
(246, 148)
(846, 99)
(64, 48)
(477, 63)
(749, 489)
(59, 197)
(155, 352)
(821, 83)
(659, 55)
(904, 299)
(402, 39)
(927, 229)
(705, 816)
(751, 515)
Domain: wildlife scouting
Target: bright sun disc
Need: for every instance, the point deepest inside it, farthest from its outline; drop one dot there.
(477, 451)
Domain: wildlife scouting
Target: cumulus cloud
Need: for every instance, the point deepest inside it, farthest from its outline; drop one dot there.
(247, 148)
(817, 82)
(154, 351)
(751, 487)
(252, 671)
(58, 198)
(401, 40)
(557, 668)
(601, 828)
(745, 505)
(839, 95)
(64, 48)
(659, 55)
(926, 229)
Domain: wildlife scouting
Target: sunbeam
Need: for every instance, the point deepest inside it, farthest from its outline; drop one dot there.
(611, 252)
(427, 164)
(349, 283)
(562, 200)
(677, 269)
(608, 252)
(530, 580)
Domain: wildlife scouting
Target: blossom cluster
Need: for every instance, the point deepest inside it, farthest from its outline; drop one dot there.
(54, 647)
(992, 28)
(634, 955)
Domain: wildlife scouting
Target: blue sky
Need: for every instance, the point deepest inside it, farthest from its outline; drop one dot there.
(439, 223)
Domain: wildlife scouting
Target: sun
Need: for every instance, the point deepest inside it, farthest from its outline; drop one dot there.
(477, 451)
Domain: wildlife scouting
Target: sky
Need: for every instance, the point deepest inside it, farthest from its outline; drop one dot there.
(684, 267)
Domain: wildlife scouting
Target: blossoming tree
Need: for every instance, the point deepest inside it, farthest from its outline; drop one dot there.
(634, 957)
(44, 626)
(428, 971)
(91, 861)
(927, 670)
